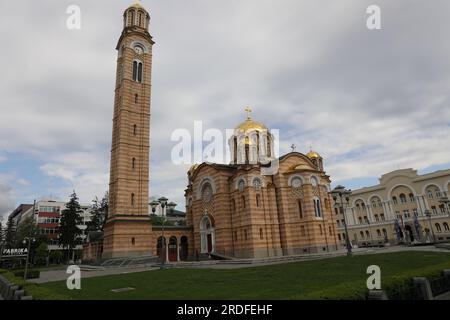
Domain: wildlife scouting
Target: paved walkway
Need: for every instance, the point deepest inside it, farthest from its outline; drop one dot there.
(58, 275)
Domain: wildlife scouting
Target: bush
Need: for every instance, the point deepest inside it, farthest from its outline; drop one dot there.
(33, 289)
(398, 287)
(31, 274)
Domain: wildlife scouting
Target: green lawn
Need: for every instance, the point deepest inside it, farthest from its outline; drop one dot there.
(284, 281)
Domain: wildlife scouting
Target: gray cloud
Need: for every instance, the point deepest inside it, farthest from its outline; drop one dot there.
(368, 101)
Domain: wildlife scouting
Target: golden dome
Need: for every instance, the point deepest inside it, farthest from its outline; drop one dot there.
(313, 155)
(249, 125)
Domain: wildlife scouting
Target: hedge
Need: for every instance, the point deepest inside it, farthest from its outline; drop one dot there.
(33, 289)
(396, 287)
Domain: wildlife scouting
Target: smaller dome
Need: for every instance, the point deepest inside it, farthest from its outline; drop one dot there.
(313, 155)
(193, 167)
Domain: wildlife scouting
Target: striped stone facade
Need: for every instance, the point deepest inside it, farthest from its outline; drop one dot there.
(128, 230)
(235, 211)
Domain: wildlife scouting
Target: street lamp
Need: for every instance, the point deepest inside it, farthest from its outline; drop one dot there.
(428, 214)
(29, 240)
(163, 202)
(340, 194)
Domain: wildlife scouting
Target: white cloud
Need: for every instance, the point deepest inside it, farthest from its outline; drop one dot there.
(368, 101)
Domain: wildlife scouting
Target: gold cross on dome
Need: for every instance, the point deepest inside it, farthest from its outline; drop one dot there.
(249, 111)
(293, 147)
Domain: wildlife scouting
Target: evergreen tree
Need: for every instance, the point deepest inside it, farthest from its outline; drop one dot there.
(68, 231)
(2, 233)
(99, 213)
(10, 233)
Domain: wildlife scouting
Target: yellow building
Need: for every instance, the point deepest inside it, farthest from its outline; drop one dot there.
(403, 208)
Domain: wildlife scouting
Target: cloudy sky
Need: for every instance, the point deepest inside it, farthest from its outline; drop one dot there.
(369, 101)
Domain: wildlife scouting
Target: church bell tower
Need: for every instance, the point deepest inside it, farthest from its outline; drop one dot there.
(127, 231)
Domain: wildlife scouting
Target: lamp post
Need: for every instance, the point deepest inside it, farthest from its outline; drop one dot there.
(428, 214)
(171, 205)
(339, 194)
(29, 240)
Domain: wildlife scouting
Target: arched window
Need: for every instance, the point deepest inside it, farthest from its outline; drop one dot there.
(438, 227)
(140, 19)
(257, 200)
(133, 241)
(137, 71)
(133, 163)
(136, 98)
(378, 232)
(134, 129)
(361, 234)
(394, 200)
(261, 234)
(317, 209)
(367, 234)
(445, 224)
(257, 183)
(411, 197)
(132, 199)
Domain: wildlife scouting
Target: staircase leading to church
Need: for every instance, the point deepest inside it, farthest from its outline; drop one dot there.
(130, 261)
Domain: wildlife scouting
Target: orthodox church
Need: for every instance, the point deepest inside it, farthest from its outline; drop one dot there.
(258, 205)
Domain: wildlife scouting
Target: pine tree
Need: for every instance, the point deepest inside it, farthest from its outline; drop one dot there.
(68, 231)
(99, 211)
(10, 233)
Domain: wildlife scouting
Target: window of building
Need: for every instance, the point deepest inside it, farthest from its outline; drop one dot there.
(367, 234)
(241, 185)
(438, 227)
(442, 207)
(134, 129)
(300, 209)
(133, 241)
(430, 194)
(133, 163)
(257, 183)
(445, 224)
(438, 194)
(314, 181)
(382, 217)
(411, 197)
(339, 236)
(245, 234)
(394, 200)
(406, 214)
(317, 209)
(338, 223)
(258, 200)
(261, 234)
(137, 71)
(402, 198)
(416, 214)
(433, 208)
(360, 220)
(132, 199)
(378, 232)
(243, 202)
(361, 234)
(377, 218)
(136, 98)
